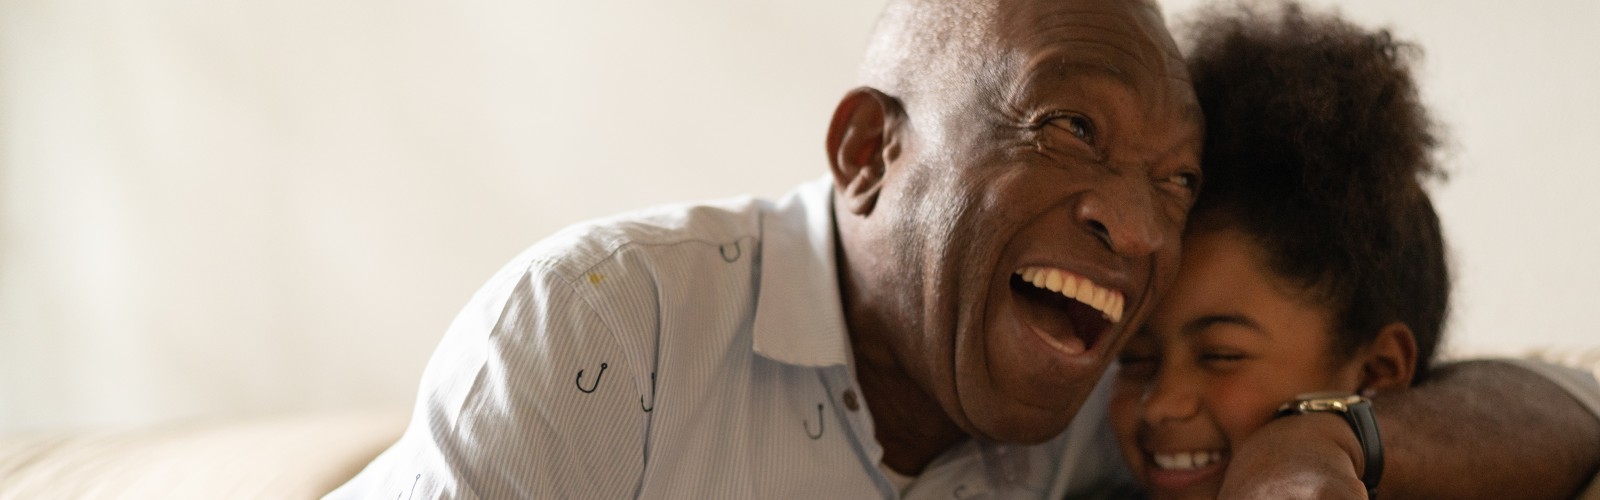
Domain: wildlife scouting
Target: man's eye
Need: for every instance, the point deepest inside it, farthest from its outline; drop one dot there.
(1188, 180)
(1079, 126)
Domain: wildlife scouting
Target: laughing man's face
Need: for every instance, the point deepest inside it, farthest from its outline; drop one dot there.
(1038, 215)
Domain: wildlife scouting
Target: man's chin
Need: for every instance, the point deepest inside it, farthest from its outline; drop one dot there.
(1020, 424)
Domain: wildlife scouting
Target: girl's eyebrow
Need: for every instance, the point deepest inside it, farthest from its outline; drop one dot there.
(1194, 327)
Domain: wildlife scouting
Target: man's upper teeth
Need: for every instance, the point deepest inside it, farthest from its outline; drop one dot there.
(1186, 460)
(1108, 302)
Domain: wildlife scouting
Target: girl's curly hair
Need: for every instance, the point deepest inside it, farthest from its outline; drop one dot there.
(1316, 147)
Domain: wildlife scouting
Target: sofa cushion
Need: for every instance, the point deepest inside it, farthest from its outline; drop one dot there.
(287, 457)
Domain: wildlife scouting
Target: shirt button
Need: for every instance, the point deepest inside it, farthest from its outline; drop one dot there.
(850, 402)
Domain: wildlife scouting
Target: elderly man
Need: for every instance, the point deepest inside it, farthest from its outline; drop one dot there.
(870, 335)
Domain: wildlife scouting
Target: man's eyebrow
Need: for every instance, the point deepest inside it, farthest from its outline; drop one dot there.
(1201, 324)
(1057, 66)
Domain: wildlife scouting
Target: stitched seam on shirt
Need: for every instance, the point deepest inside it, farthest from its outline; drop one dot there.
(585, 299)
(611, 329)
(571, 281)
(606, 320)
(584, 266)
(474, 400)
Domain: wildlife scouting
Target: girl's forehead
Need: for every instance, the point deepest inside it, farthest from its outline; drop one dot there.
(1224, 280)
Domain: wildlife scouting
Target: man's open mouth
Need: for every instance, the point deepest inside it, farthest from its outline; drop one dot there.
(1070, 309)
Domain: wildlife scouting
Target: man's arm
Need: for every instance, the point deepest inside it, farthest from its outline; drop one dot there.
(1478, 429)
(529, 395)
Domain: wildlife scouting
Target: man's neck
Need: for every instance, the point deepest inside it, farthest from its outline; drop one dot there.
(909, 423)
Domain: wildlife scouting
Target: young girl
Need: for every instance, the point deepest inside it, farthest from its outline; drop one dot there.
(1313, 261)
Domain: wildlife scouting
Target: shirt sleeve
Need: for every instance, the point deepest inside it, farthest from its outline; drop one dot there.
(529, 395)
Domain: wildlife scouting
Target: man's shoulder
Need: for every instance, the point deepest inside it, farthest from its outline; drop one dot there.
(574, 251)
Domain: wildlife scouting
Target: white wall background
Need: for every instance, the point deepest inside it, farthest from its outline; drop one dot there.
(223, 208)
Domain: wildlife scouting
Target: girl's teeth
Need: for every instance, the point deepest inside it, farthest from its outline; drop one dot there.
(1188, 460)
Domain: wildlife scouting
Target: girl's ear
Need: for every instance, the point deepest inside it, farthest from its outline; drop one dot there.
(1390, 361)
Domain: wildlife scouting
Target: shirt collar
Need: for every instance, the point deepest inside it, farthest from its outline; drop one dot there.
(799, 316)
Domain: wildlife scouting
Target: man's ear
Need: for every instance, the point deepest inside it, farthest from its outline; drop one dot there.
(1391, 359)
(861, 143)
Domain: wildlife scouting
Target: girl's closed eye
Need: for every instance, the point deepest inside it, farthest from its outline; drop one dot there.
(1137, 366)
(1222, 356)
(1223, 360)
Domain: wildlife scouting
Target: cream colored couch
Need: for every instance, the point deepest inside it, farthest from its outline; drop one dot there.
(295, 457)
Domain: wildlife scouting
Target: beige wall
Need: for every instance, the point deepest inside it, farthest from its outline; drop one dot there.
(225, 208)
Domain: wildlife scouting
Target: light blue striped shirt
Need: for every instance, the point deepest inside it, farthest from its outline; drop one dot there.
(690, 351)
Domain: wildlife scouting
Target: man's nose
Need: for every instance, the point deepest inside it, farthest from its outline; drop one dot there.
(1122, 212)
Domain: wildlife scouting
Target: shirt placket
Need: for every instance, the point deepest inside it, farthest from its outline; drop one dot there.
(844, 397)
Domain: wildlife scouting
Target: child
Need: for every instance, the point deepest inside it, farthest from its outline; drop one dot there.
(1313, 260)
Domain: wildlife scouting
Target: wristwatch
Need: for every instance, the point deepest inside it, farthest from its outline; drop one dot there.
(1358, 412)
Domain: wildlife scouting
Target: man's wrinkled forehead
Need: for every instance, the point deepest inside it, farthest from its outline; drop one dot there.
(1050, 43)
(1124, 36)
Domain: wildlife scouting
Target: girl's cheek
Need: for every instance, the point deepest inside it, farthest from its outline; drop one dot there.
(1239, 405)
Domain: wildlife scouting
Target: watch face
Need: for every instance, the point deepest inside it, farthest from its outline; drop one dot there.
(1320, 402)
(1328, 395)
